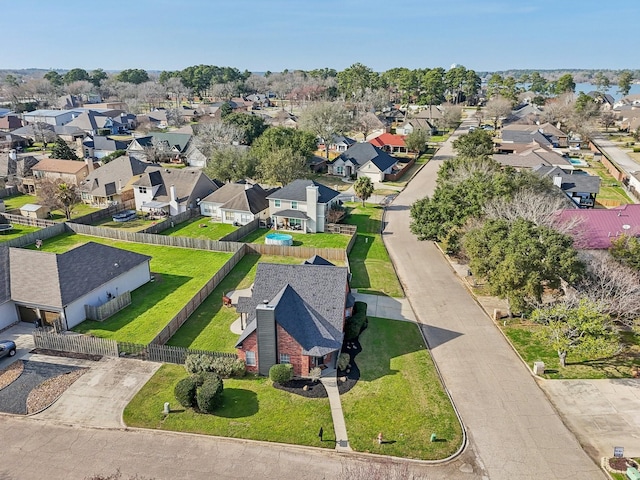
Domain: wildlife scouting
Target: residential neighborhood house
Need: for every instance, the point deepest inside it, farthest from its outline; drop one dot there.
(236, 203)
(578, 186)
(363, 159)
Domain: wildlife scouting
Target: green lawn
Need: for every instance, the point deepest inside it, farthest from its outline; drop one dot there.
(179, 274)
(399, 394)
(132, 225)
(192, 228)
(252, 409)
(16, 231)
(610, 188)
(370, 263)
(521, 335)
(16, 201)
(317, 240)
(415, 168)
(208, 328)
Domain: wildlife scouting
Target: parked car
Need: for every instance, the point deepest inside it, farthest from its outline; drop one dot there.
(472, 128)
(7, 348)
(488, 127)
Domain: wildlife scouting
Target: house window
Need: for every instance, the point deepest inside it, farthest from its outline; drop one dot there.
(142, 189)
(339, 170)
(229, 216)
(276, 203)
(295, 221)
(294, 205)
(250, 358)
(285, 358)
(244, 218)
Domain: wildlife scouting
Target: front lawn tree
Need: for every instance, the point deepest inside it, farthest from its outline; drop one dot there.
(364, 188)
(475, 144)
(59, 195)
(519, 259)
(300, 142)
(326, 120)
(62, 151)
(417, 140)
(580, 329)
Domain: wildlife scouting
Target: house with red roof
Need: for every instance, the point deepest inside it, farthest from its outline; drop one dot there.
(390, 143)
(595, 229)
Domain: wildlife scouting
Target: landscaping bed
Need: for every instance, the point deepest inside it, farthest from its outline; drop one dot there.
(58, 353)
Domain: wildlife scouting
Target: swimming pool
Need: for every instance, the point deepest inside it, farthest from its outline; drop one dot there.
(577, 162)
(278, 239)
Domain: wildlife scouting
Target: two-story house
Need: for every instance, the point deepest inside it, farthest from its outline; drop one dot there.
(69, 171)
(301, 205)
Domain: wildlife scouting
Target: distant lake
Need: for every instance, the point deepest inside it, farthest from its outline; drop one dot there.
(613, 89)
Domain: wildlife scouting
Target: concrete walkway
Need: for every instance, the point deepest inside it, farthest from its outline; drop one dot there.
(513, 430)
(340, 429)
(387, 307)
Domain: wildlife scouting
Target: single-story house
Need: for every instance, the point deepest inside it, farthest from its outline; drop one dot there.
(52, 117)
(112, 183)
(236, 203)
(580, 187)
(296, 314)
(101, 146)
(169, 191)
(516, 133)
(167, 147)
(301, 205)
(595, 229)
(414, 124)
(339, 143)
(43, 286)
(532, 158)
(363, 159)
(390, 143)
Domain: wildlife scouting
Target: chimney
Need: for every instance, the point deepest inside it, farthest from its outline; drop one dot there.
(89, 162)
(172, 193)
(266, 336)
(13, 155)
(557, 181)
(316, 216)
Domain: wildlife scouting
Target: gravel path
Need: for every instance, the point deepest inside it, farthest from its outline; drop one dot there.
(13, 398)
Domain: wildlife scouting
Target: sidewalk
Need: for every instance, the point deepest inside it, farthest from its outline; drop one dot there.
(339, 427)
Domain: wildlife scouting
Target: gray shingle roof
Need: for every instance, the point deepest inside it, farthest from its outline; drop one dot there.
(104, 181)
(297, 191)
(519, 136)
(361, 153)
(573, 183)
(50, 279)
(318, 260)
(309, 299)
(237, 197)
(289, 213)
(187, 182)
(20, 167)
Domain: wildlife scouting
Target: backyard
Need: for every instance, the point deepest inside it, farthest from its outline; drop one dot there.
(14, 202)
(208, 328)
(201, 227)
(251, 409)
(314, 240)
(399, 394)
(371, 267)
(178, 274)
(16, 231)
(134, 225)
(610, 188)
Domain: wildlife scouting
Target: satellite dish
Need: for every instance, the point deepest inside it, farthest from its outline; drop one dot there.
(626, 227)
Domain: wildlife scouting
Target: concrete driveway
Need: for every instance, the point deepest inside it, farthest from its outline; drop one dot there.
(387, 307)
(513, 429)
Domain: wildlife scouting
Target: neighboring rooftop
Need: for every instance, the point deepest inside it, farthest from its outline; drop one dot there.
(297, 191)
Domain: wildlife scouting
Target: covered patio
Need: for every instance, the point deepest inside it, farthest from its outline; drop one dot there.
(293, 220)
(155, 209)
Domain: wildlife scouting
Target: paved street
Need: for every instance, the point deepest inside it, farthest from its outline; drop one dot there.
(624, 161)
(512, 427)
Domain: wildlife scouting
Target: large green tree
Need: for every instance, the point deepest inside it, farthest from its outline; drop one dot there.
(62, 151)
(133, 75)
(624, 82)
(476, 144)
(539, 84)
(581, 330)
(54, 77)
(355, 80)
(417, 140)
(280, 166)
(300, 142)
(231, 164)
(626, 249)
(251, 126)
(326, 120)
(565, 84)
(519, 259)
(76, 75)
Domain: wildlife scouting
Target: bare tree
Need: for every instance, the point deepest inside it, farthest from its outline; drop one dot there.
(256, 83)
(608, 119)
(497, 109)
(224, 91)
(79, 88)
(43, 133)
(452, 116)
(176, 90)
(211, 135)
(58, 195)
(366, 123)
(174, 117)
(151, 93)
(326, 120)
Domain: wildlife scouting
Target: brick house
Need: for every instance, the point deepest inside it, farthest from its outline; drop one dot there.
(296, 315)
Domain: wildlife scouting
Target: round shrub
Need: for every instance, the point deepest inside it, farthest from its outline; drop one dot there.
(281, 373)
(356, 323)
(343, 361)
(185, 392)
(209, 396)
(228, 367)
(196, 363)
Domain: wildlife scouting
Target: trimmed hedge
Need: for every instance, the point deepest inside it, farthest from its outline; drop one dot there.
(356, 323)
(224, 366)
(209, 396)
(185, 392)
(281, 373)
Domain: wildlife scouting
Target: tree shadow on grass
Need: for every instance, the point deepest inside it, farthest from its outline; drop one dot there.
(238, 403)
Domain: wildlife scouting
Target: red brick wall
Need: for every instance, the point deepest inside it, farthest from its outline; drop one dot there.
(249, 344)
(286, 344)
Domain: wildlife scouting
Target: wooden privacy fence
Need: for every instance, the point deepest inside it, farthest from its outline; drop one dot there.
(75, 343)
(104, 311)
(243, 231)
(153, 239)
(299, 252)
(164, 353)
(176, 322)
(30, 238)
(392, 177)
(32, 222)
(340, 228)
(170, 222)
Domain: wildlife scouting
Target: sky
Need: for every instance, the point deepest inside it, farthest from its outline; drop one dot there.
(261, 35)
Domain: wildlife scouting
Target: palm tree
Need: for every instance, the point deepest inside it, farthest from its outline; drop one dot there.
(364, 188)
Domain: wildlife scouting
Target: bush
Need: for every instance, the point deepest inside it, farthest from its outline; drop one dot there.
(228, 367)
(209, 396)
(196, 363)
(315, 373)
(343, 361)
(356, 323)
(185, 392)
(281, 373)
(636, 149)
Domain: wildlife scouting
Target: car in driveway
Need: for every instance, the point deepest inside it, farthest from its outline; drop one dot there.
(7, 348)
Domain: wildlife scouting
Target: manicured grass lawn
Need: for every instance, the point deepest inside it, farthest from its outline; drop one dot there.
(179, 274)
(17, 201)
(208, 328)
(610, 188)
(132, 225)
(399, 394)
(78, 210)
(370, 263)
(521, 335)
(252, 409)
(317, 240)
(16, 231)
(192, 228)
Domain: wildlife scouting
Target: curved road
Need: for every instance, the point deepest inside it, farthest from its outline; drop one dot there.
(513, 430)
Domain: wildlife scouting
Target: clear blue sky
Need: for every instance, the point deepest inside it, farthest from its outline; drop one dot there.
(260, 35)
